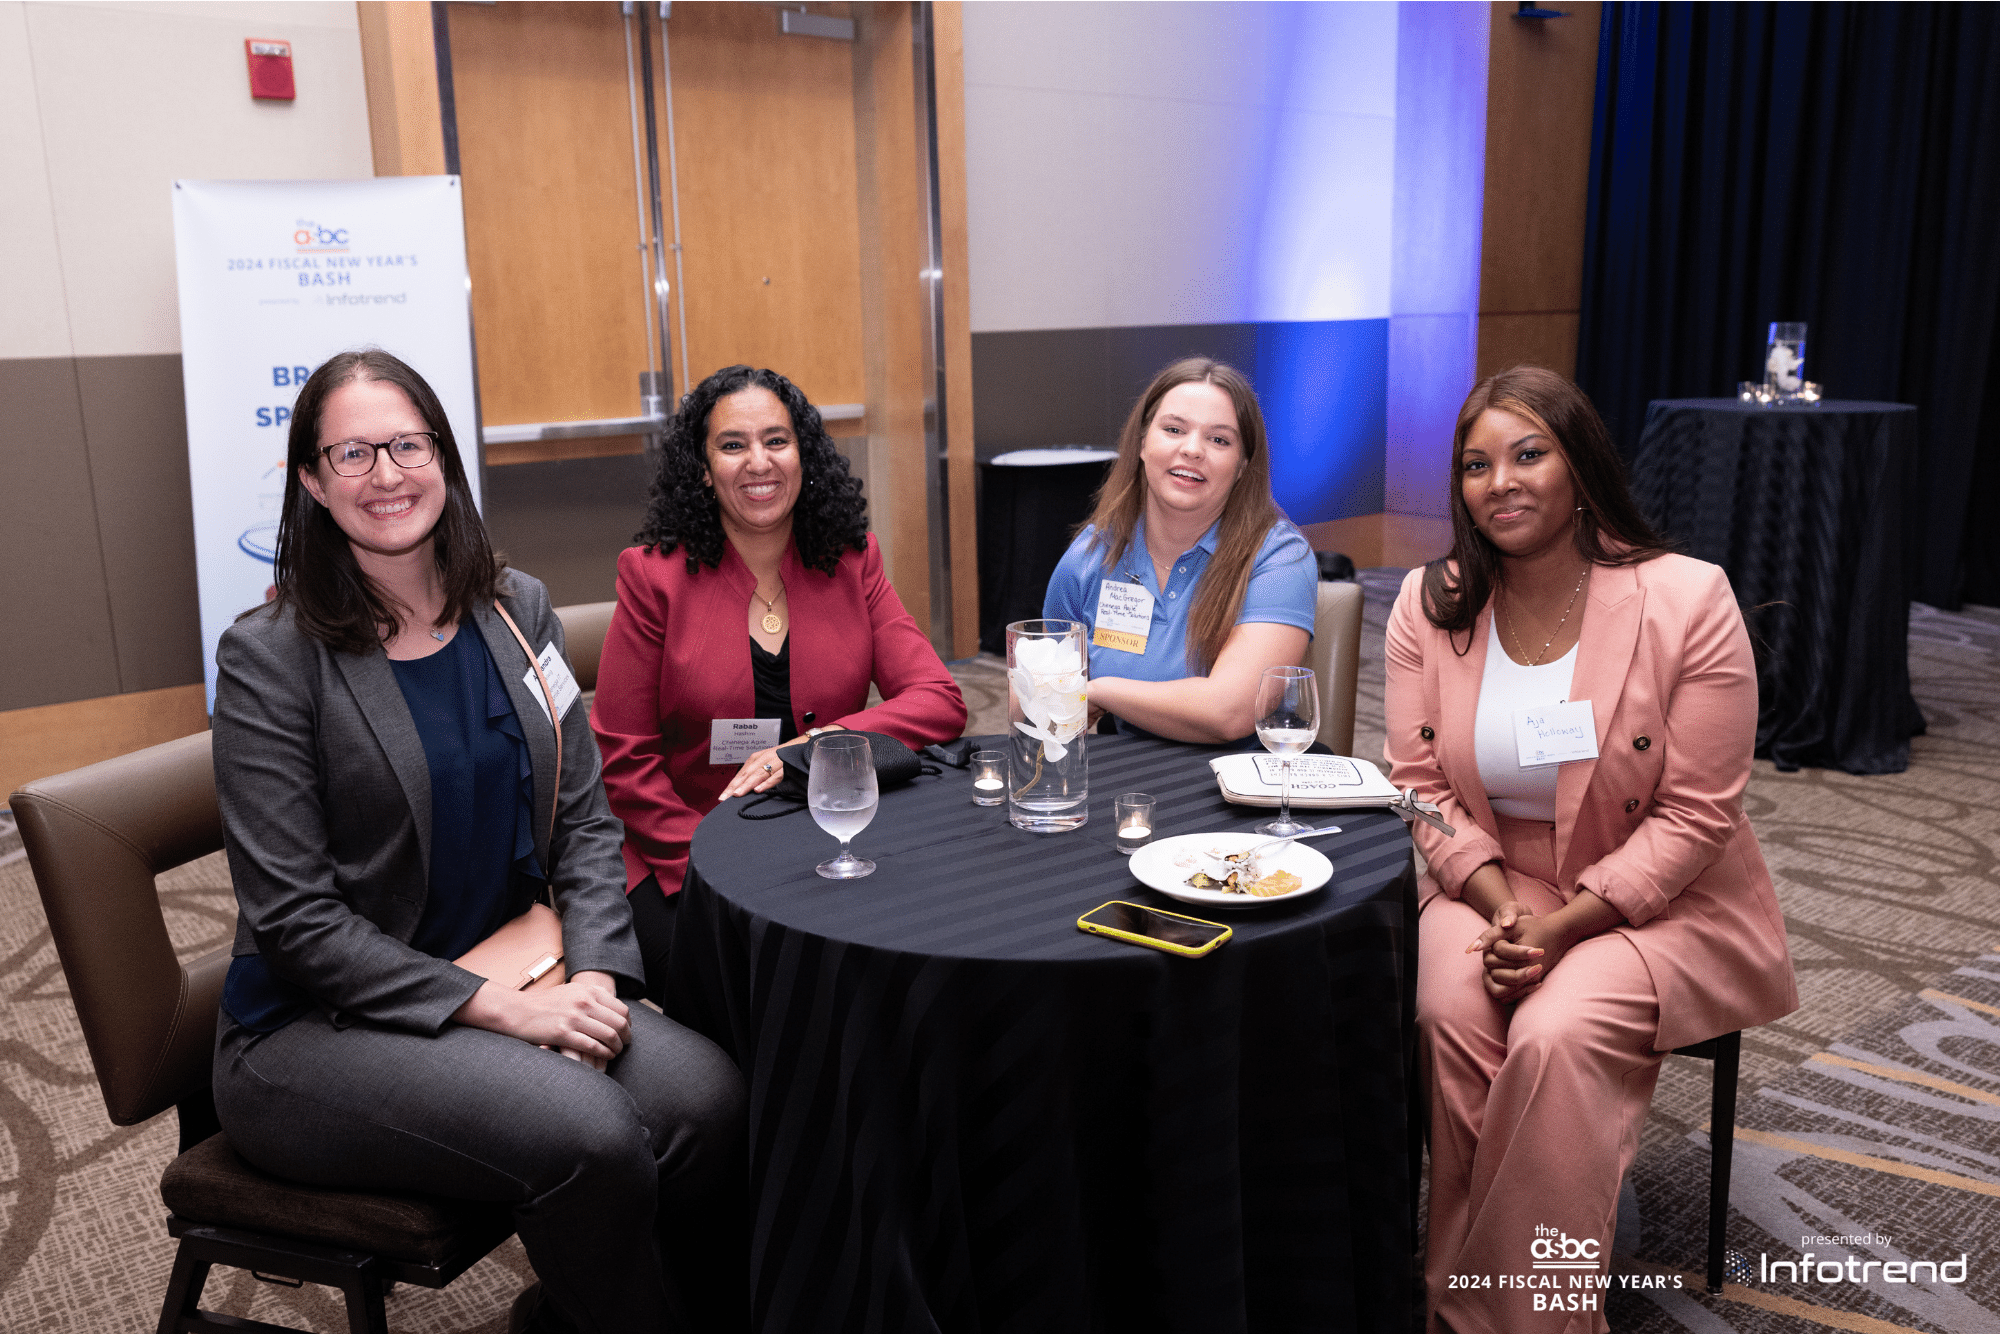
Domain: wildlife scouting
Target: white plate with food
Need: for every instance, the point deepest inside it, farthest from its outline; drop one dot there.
(1209, 869)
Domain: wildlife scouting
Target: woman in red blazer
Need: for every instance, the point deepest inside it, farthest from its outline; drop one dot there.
(757, 594)
(1594, 912)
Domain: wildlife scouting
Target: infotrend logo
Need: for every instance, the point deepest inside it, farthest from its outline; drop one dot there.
(312, 238)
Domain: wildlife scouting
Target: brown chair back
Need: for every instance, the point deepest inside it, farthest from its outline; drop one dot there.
(95, 838)
(584, 626)
(1335, 657)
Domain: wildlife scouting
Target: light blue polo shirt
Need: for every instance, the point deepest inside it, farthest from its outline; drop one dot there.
(1284, 587)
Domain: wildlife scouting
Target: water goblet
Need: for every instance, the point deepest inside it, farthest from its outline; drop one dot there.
(842, 795)
(1287, 723)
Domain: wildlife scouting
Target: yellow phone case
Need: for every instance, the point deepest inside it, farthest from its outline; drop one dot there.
(1084, 923)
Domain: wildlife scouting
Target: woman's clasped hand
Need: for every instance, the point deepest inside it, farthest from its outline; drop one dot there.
(583, 1018)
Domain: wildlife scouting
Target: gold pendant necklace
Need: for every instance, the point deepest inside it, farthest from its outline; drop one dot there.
(771, 623)
(1515, 635)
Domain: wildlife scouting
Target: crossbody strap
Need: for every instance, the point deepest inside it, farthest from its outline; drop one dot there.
(534, 663)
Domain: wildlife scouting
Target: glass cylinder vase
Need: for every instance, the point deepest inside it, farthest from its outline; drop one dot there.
(1048, 670)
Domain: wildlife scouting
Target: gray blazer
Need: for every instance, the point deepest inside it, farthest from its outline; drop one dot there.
(326, 814)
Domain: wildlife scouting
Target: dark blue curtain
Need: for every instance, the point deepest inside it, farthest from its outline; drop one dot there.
(1832, 163)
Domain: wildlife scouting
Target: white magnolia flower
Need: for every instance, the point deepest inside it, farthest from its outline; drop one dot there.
(1050, 683)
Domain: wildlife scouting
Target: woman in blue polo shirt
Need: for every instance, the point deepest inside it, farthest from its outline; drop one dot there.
(1190, 577)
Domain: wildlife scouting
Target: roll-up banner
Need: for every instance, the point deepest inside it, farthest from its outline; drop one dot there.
(275, 277)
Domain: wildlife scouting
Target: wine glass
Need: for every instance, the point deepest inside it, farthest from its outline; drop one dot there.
(1287, 722)
(841, 794)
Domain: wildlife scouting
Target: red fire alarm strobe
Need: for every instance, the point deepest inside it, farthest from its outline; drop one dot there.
(270, 69)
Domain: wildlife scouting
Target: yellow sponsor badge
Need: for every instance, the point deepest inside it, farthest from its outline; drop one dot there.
(1124, 615)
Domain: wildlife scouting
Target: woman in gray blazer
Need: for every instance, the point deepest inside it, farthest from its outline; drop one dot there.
(386, 766)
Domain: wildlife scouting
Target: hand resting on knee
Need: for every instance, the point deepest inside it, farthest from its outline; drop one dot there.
(583, 1018)
(1521, 948)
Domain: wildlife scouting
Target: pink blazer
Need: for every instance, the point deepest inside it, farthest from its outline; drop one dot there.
(678, 656)
(1654, 825)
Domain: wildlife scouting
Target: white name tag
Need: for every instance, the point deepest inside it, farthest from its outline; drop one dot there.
(734, 740)
(1124, 616)
(1555, 734)
(560, 682)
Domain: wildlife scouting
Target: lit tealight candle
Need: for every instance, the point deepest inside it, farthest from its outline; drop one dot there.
(988, 784)
(989, 787)
(1134, 813)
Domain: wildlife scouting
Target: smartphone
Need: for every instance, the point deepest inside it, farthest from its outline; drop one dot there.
(1169, 931)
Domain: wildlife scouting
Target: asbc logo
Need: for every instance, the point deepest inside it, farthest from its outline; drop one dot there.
(309, 235)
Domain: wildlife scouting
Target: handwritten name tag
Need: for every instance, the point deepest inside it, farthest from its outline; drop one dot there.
(1555, 733)
(561, 684)
(734, 740)
(1124, 616)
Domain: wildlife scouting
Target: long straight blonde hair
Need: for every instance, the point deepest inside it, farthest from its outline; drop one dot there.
(1247, 515)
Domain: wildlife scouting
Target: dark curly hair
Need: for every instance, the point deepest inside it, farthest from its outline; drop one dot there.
(830, 514)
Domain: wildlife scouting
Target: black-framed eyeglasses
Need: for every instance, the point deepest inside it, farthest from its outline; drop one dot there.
(356, 458)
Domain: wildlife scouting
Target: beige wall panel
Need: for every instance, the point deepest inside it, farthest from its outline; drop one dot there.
(31, 290)
(551, 223)
(1358, 538)
(1531, 340)
(399, 58)
(133, 96)
(891, 299)
(60, 640)
(554, 451)
(135, 423)
(764, 128)
(53, 739)
(1540, 90)
(948, 34)
(1411, 539)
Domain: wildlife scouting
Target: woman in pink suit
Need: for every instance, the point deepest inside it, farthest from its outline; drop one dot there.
(1593, 912)
(755, 606)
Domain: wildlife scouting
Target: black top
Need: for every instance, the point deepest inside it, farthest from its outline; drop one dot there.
(773, 674)
(482, 803)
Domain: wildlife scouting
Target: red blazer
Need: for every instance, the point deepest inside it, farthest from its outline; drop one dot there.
(1655, 824)
(678, 656)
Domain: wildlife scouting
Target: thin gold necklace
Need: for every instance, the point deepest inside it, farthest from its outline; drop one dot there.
(771, 622)
(1514, 635)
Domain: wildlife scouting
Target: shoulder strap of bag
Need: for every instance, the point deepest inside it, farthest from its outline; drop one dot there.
(555, 724)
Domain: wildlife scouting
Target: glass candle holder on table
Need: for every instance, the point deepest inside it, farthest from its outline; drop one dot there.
(1132, 817)
(989, 777)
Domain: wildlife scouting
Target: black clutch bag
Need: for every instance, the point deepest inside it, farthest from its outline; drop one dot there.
(895, 765)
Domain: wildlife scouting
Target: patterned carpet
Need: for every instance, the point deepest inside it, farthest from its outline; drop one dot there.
(1873, 1111)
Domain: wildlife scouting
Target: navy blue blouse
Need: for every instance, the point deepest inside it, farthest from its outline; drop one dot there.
(482, 819)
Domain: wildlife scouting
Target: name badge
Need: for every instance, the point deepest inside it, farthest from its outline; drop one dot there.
(1555, 734)
(734, 740)
(561, 683)
(1124, 615)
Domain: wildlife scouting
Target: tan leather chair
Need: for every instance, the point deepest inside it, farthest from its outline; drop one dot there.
(1335, 658)
(95, 838)
(584, 626)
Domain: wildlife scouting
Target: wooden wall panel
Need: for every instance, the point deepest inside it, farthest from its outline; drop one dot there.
(1540, 97)
(764, 137)
(55, 738)
(893, 253)
(948, 33)
(399, 63)
(551, 221)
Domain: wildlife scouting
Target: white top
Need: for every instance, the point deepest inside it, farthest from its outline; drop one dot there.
(1516, 793)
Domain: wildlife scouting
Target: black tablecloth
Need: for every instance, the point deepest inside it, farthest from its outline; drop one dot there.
(1027, 515)
(967, 1115)
(1803, 506)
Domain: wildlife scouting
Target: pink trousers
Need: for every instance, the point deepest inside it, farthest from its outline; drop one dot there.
(1535, 1113)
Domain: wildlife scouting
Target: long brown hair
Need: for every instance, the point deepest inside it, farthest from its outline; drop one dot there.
(317, 577)
(1609, 529)
(1247, 515)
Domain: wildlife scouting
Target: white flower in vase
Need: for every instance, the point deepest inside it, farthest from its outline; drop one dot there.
(1049, 683)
